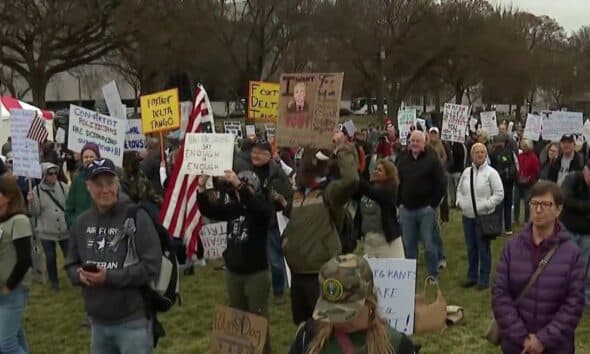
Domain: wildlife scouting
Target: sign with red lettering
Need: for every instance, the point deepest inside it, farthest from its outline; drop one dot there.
(309, 108)
(160, 111)
(455, 120)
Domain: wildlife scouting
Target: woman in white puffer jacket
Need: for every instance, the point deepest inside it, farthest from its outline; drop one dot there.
(489, 193)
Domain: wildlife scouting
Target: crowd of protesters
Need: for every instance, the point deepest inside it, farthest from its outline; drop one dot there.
(367, 187)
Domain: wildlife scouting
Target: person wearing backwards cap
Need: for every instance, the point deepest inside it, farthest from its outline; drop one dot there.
(79, 199)
(568, 161)
(346, 319)
(111, 273)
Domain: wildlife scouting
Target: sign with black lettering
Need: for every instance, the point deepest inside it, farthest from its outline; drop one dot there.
(455, 120)
(236, 331)
(208, 154)
(160, 111)
(263, 101)
(395, 285)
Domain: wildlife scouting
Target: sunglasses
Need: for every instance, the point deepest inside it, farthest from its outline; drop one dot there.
(52, 173)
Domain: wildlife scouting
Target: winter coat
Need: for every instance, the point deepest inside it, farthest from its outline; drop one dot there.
(51, 220)
(488, 189)
(378, 212)
(575, 165)
(551, 309)
(576, 209)
(529, 167)
(421, 180)
(79, 199)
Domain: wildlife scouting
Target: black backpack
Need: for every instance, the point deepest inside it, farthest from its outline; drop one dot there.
(505, 165)
(348, 231)
(162, 293)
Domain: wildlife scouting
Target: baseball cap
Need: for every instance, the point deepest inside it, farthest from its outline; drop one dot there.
(345, 283)
(263, 145)
(99, 167)
(568, 137)
(433, 129)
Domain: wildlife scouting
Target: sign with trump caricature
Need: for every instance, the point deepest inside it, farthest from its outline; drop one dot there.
(309, 108)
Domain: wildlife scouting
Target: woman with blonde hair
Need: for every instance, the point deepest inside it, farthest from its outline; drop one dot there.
(378, 213)
(345, 319)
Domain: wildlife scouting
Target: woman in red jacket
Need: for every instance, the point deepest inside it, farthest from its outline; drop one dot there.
(529, 167)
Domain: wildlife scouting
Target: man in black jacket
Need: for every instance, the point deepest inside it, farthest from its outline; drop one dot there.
(421, 190)
(576, 213)
(151, 165)
(568, 161)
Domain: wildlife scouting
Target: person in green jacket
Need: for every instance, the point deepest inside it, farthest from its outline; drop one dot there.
(346, 319)
(78, 198)
(311, 237)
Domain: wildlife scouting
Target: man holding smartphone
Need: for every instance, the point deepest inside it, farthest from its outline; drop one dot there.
(111, 275)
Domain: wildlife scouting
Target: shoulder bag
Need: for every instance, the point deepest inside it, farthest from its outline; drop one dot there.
(490, 226)
(492, 333)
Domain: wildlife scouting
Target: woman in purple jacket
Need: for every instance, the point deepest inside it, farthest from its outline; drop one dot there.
(545, 319)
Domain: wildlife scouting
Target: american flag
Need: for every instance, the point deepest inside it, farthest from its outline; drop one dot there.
(38, 132)
(180, 213)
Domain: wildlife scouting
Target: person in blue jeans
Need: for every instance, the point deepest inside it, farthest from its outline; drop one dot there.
(47, 205)
(488, 193)
(421, 190)
(15, 261)
(576, 215)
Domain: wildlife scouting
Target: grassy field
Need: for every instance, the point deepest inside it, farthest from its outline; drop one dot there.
(53, 319)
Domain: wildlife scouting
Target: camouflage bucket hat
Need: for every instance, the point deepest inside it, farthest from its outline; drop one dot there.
(345, 283)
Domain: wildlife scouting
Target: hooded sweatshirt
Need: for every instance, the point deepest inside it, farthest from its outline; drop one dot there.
(48, 207)
(102, 239)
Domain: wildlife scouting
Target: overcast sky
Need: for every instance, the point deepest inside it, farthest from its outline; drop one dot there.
(571, 14)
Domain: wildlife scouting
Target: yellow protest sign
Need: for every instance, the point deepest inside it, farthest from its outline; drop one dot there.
(160, 111)
(263, 101)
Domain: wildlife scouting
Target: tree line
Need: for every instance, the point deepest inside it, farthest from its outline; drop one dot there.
(389, 49)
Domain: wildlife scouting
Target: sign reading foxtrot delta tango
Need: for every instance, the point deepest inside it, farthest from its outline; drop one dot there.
(160, 111)
(263, 101)
(309, 108)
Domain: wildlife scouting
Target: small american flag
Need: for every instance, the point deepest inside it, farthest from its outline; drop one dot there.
(38, 132)
(179, 212)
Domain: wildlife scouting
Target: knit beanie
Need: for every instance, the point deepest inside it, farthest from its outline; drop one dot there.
(92, 147)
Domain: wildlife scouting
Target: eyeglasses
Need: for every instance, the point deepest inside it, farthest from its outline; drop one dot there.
(51, 173)
(543, 205)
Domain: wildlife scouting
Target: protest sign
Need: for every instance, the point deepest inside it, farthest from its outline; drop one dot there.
(455, 120)
(60, 136)
(263, 101)
(422, 123)
(160, 111)
(489, 124)
(113, 100)
(558, 123)
(406, 119)
(586, 131)
(350, 127)
(250, 130)
(309, 109)
(532, 128)
(214, 239)
(395, 285)
(270, 132)
(208, 154)
(236, 331)
(26, 151)
(134, 138)
(86, 126)
(234, 128)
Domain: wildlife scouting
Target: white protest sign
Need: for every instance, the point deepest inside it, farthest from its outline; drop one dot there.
(113, 100)
(532, 128)
(208, 154)
(250, 130)
(134, 138)
(455, 120)
(557, 124)
(422, 123)
(406, 119)
(234, 128)
(350, 127)
(26, 151)
(214, 239)
(60, 136)
(472, 125)
(489, 123)
(270, 131)
(586, 131)
(86, 126)
(282, 222)
(395, 285)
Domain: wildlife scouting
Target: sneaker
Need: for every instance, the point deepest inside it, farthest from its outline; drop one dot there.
(201, 262)
(432, 280)
(442, 264)
(509, 233)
